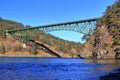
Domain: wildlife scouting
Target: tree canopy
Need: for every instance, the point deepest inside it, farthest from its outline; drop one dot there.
(111, 19)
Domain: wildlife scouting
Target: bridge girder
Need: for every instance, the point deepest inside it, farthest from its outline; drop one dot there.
(82, 26)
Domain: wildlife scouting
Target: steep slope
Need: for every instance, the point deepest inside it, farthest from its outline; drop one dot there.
(99, 45)
(105, 42)
(52, 44)
(8, 25)
(13, 48)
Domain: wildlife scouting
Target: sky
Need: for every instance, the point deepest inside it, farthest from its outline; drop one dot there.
(43, 12)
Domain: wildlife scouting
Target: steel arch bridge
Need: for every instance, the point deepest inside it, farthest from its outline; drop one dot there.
(82, 26)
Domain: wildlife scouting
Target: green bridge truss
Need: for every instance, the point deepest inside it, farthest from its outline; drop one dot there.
(82, 26)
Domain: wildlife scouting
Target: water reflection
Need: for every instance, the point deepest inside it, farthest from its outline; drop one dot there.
(110, 63)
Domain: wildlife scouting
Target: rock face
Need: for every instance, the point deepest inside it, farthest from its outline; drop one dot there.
(117, 53)
(99, 45)
(105, 41)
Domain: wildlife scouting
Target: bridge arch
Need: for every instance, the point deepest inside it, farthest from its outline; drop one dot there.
(83, 26)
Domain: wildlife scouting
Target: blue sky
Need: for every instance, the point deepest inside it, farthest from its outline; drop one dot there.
(42, 12)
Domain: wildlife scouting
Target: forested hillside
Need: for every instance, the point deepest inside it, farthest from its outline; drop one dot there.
(111, 20)
(64, 46)
(59, 45)
(8, 25)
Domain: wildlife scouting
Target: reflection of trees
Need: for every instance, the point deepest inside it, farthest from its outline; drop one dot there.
(108, 64)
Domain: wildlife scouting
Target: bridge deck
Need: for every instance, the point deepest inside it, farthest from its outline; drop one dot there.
(58, 24)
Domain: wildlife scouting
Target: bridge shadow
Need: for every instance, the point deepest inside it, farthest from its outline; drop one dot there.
(42, 47)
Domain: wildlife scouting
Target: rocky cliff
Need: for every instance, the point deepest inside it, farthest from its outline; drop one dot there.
(99, 45)
(105, 41)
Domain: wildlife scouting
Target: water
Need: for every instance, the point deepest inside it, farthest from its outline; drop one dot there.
(55, 68)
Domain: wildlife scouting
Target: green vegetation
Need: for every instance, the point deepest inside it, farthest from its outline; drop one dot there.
(18, 48)
(59, 44)
(111, 20)
(2, 49)
(29, 35)
(8, 25)
(34, 50)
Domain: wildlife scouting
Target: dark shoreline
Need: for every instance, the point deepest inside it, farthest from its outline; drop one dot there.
(112, 76)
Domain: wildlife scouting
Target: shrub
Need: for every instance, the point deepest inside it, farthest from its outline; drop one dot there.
(2, 34)
(2, 49)
(34, 49)
(18, 48)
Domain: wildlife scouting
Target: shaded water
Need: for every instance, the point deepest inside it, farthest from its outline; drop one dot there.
(55, 68)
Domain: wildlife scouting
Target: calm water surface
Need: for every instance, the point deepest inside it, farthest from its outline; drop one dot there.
(55, 68)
